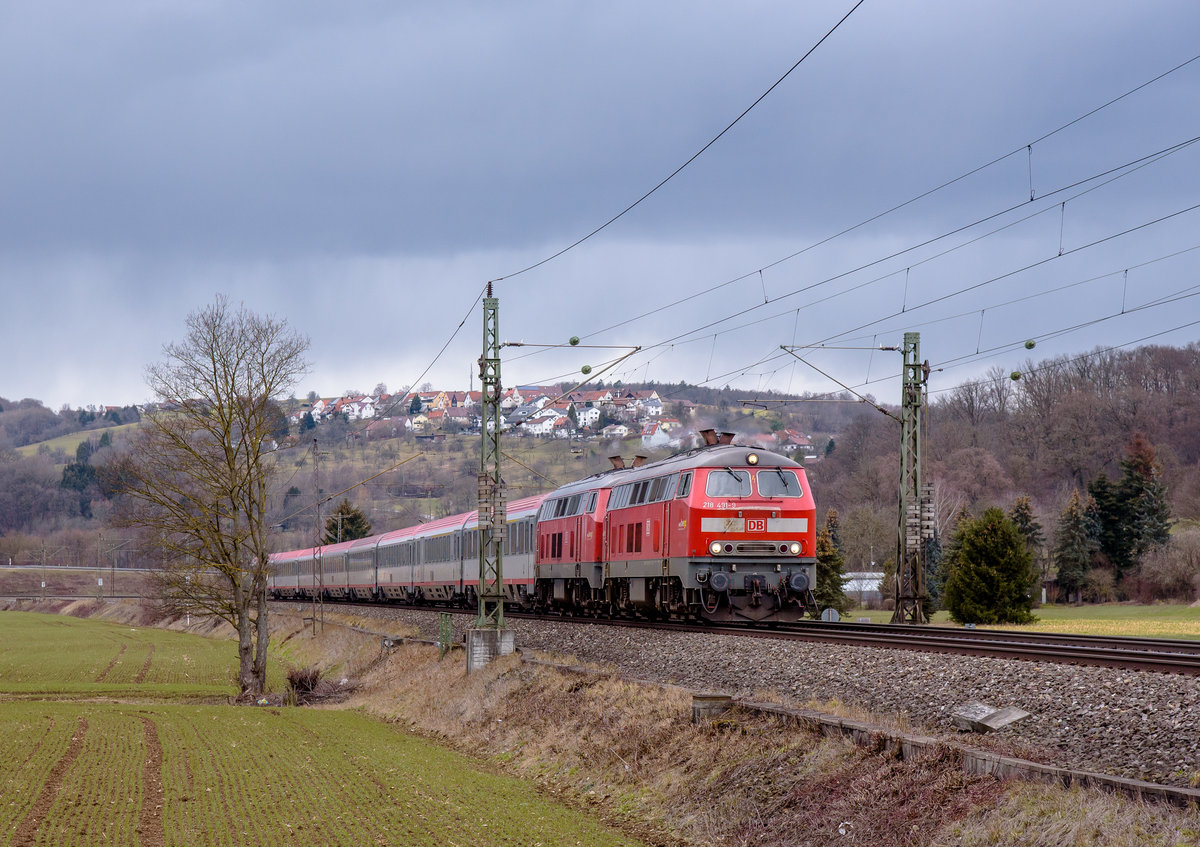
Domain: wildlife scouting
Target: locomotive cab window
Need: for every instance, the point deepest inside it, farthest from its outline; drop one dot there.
(725, 482)
(685, 484)
(777, 482)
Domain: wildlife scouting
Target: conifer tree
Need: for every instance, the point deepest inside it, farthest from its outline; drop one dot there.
(991, 573)
(831, 566)
(1027, 524)
(1114, 532)
(1144, 497)
(834, 525)
(1075, 543)
(935, 571)
(353, 524)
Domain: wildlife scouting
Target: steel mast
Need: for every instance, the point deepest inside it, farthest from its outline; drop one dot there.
(915, 500)
(491, 486)
(489, 638)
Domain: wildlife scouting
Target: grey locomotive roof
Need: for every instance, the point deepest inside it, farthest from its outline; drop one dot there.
(717, 456)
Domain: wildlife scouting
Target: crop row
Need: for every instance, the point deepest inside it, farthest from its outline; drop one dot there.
(250, 776)
(65, 654)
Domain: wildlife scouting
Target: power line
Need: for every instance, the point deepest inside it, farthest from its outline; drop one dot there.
(693, 158)
(1113, 173)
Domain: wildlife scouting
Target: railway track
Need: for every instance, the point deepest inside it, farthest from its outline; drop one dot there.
(1142, 654)
(1159, 655)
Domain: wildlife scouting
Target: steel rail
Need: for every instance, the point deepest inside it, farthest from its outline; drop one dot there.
(1158, 655)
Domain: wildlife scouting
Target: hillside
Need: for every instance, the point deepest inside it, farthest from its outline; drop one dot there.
(1052, 432)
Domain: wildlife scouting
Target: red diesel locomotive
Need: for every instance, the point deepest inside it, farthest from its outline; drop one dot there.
(721, 533)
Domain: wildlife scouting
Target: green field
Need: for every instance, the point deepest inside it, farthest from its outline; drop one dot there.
(114, 750)
(70, 443)
(1116, 619)
(62, 656)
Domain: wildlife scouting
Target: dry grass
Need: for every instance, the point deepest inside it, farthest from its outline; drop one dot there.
(631, 752)
(1037, 816)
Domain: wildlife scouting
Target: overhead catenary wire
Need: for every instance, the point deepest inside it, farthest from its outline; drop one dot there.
(1111, 173)
(691, 159)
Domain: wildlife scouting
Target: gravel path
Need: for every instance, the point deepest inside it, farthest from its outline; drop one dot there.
(1127, 723)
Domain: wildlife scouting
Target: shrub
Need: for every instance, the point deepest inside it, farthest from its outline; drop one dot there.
(302, 683)
(1099, 586)
(1173, 569)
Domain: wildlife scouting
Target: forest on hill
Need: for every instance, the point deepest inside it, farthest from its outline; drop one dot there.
(1062, 429)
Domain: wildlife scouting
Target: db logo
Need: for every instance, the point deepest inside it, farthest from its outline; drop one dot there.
(756, 524)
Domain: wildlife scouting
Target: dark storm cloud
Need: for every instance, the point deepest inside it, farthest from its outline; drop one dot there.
(361, 169)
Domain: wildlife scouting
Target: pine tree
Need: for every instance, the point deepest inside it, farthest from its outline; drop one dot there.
(1075, 544)
(834, 525)
(1027, 524)
(1114, 531)
(1144, 497)
(991, 573)
(353, 524)
(831, 579)
(935, 572)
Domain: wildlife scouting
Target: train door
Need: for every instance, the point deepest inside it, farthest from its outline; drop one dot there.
(660, 528)
(677, 518)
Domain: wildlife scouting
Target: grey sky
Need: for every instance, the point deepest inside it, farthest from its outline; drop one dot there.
(363, 169)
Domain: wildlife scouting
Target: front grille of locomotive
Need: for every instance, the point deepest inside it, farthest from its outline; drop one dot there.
(757, 548)
(753, 548)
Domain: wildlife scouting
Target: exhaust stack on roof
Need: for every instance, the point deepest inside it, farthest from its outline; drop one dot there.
(638, 461)
(726, 437)
(617, 462)
(709, 436)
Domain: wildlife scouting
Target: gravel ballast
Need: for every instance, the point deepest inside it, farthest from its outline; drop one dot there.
(1126, 723)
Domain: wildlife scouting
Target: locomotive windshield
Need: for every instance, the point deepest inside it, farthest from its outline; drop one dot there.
(727, 483)
(778, 483)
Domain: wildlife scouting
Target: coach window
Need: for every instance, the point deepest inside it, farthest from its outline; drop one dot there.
(662, 489)
(725, 482)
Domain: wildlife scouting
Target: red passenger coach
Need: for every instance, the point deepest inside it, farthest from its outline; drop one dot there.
(721, 533)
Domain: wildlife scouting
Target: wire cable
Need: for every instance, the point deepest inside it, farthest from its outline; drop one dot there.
(693, 158)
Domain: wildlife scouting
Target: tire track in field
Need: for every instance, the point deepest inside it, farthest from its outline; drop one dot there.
(111, 664)
(150, 822)
(27, 830)
(145, 668)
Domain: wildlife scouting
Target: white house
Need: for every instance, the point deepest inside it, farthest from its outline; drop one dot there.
(654, 435)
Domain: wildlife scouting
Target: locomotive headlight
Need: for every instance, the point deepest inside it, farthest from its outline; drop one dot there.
(715, 548)
(795, 548)
(751, 458)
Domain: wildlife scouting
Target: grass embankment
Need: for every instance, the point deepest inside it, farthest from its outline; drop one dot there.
(1125, 620)
(632, 751)
(79, 768)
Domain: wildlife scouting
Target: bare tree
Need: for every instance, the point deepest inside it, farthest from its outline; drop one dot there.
(196, 477)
